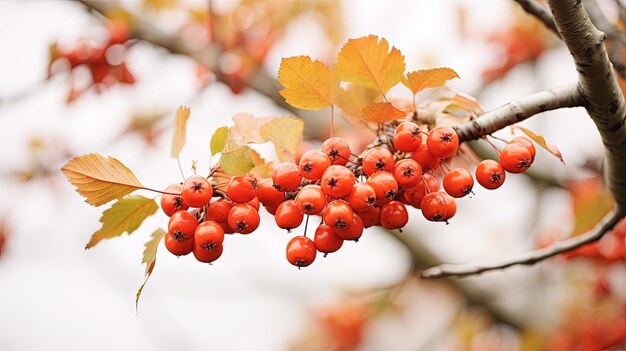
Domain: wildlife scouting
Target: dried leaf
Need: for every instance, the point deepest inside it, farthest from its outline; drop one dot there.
(262, 171)
(248, 127)
(542, 142)
(463, 101)
(285, 132)
(368, 62)
(149, 258)
(237, 162)
(382, 112)
(309, 85)
(218, 140)
(180, 130)
(100, 179)
(419, 80)
(126, 215)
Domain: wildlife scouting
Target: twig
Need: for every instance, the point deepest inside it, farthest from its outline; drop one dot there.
(527, 258)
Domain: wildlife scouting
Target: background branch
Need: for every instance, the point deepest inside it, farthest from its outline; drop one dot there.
(527, 258)
(534, 8)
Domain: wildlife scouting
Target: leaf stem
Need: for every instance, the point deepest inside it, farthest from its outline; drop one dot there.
(332, 120)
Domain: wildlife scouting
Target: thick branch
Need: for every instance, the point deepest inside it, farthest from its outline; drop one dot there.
(532, 7)
(603, 98)
(527, 258)
(519, 110)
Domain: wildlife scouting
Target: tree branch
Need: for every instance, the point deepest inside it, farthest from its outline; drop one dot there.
(597, 84)
(532, 7)
(519, 110)
(527, 258)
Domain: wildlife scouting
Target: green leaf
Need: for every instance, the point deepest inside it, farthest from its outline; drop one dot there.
(218, 140)
(125, 215)
(237, 162)
(149, 258)
(285, 132)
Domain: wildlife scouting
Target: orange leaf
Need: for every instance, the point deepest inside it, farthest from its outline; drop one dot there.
(354, 99)
(419, 80)
(381, 112)
(542, 142)
(309, 85)
(368, 62)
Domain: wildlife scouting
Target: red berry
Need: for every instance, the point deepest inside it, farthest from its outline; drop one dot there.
(450, 207)
(393, 215)
(442, 142)
(385, 186)
(407, 172)
(182, 225)
(490, 174)
(254, 203)
(337, 181)
(173, 203)
(271, 210)
(301, 251)
(311, 200)
(527, 144)
(268, 195)
(226, 227)
(414, 195)
(197, 191)
(353, 231)
(337, 150)
(458, 182)
(242, 189)
(218, 210)
(370, 217)
(407, 137)
(515, 158)
(435, 206)
(326, 240)
(338, 214)
(178, 248)
(288, 216)
(377, 159)
(286, 177)
(209, 235)
(207, 256)
(313, 164)
(427, 160)
(243, 218)
(361, 197)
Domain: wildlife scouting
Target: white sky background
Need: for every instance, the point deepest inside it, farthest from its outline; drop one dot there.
(55, 295)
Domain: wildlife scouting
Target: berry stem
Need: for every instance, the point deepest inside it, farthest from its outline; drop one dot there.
(306, 224)
(160, 191)
(332, 120)
(180, 167)
(498, 138)
(492, 145)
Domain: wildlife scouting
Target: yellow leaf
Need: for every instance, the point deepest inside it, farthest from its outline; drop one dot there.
(100, 179)
(542, 142)
(419, 80)
(248, 127)
(368, 62)
(354, 99)
(218, 140)
(237, 162)
(382, 112)
(284, 132)
(149, 258)
(126, 215)
(180, 130)
(309, 85)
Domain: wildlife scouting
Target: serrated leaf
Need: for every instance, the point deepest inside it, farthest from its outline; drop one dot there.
(382, 112)
(237, 162)
(126, 215)
(180, 130)
(100, 179)
(249, 127)
(309, 85)
(353, 99)
(284, 132)
(542, 142)
(149, 258)
(262, 171)
(218, 140)
(419, 80)
(368, 62)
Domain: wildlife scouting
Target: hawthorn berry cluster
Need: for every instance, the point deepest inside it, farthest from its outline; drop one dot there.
(349, 192)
